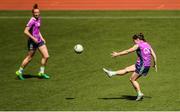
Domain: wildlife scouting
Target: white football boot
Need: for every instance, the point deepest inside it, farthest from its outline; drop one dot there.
(108, 73)
(140, 97)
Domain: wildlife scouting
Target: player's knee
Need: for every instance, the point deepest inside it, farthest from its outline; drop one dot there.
(131, 79)
(46, 57)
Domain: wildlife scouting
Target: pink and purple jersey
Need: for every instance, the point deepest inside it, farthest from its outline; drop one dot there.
(34, 25)
(144, 54)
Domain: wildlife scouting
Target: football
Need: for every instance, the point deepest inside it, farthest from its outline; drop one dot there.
(78, 48)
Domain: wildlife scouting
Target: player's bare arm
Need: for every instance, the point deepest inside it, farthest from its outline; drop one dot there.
(130, 50)
(26, 31)
(154, 59)
(42, 37)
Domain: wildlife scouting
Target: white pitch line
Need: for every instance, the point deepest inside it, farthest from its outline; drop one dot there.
(94, 17)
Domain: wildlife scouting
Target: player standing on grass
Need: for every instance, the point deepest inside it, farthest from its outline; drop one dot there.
(142, 66)
(35, 41)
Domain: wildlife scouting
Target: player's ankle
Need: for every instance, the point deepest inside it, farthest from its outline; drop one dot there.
(112, 73)
(139, 93)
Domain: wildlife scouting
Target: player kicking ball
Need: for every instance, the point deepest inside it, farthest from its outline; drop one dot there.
(142, 66)
(35, 41)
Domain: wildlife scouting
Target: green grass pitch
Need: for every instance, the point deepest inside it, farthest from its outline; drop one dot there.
(77, 80)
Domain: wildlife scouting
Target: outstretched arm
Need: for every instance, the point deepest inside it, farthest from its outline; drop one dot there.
(154, 59)
(132, 49)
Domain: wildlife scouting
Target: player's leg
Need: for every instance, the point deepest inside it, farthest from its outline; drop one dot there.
(45, 55)
(24, 63)
(126, 70)
(136, 85)
(120, 72)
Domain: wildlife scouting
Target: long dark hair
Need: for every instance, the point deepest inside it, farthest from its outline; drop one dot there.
(35, 6)
(139, 36)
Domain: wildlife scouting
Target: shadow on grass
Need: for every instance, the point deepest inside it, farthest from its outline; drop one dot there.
(29, 76)
(70, 98)
(126, 97)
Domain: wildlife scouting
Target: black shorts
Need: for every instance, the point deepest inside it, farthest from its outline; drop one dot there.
(33, 46)
(142, 70)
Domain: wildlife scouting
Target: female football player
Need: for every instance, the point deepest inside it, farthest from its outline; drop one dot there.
(35, 41)
(142, 66)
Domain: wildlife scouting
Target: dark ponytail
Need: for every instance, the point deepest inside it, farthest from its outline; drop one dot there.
(139, 36)
(35, 6)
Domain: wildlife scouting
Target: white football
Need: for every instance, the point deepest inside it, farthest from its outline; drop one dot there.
(78, 48)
